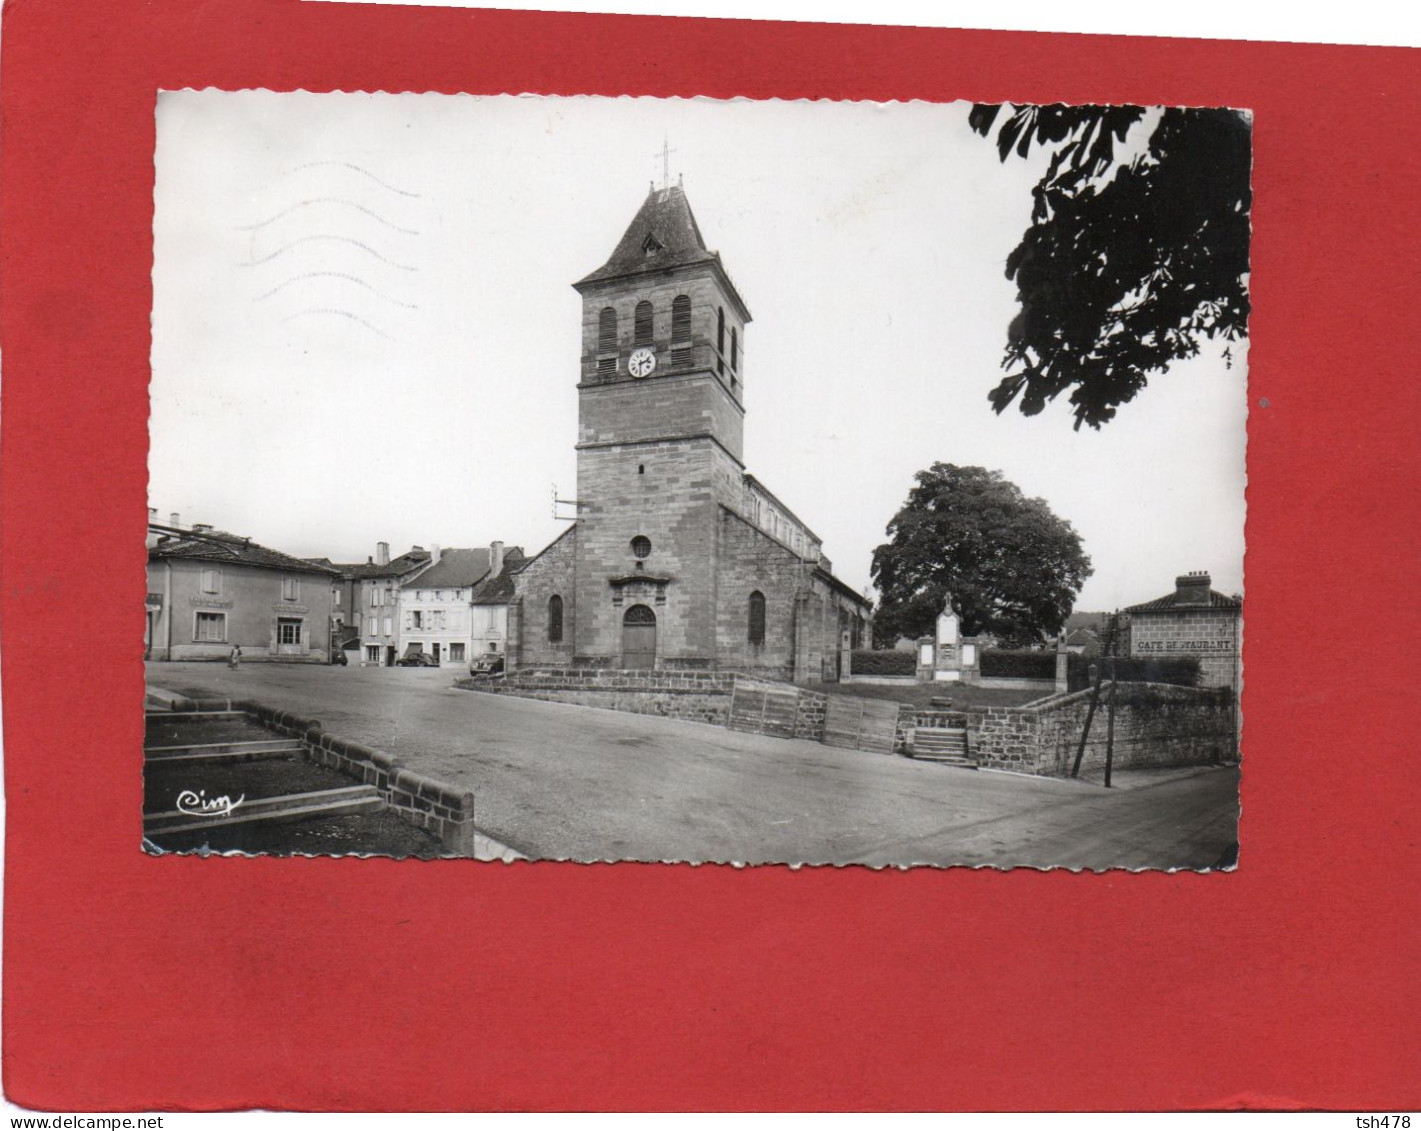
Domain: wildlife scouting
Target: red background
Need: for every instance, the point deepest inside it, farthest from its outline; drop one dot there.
(133, 982)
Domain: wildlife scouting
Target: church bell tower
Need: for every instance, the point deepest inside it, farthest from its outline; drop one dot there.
(660, 438)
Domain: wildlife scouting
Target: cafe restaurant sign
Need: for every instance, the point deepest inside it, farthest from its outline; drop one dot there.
(1195, 646)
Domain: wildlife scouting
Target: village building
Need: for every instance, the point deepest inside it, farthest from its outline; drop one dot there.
(678, 558)
(209, 591)
(438, 609)
(375, 587)
(1194, 620)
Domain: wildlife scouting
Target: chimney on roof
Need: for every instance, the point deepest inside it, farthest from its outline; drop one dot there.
(434, 552)
(382, 553)
(495, 558)
(173, 519)
(1192, 589)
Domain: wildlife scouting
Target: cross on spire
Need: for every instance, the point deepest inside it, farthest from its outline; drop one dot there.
(665, 155)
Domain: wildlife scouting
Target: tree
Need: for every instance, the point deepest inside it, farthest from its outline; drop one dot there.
(1012, 567)
(1130, 261)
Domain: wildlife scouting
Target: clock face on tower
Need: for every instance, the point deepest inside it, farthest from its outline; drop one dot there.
(641, 363)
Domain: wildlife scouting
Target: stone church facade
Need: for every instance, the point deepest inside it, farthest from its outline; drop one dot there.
(678, 558)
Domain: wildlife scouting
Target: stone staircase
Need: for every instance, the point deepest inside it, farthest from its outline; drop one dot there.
(945, 745)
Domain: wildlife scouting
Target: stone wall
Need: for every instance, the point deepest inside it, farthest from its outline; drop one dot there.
(442, 809)
(751, 560)
(547, 575)
(697, 696)
(1156, 725)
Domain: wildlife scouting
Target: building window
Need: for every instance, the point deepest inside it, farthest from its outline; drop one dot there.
(720, 328)
(734, 348)
(416, 620)
(211, 627)
(641, 546)
(456, 652)
(389, 626)
(757, 617)
(554, 619)
(607, 330)
(212, 581)
(288, 630)
(681, 318)
(606, 366)
(372, 653)
(335, 597)
(290, 588)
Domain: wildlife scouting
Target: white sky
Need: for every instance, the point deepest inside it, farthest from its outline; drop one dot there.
(365, 330)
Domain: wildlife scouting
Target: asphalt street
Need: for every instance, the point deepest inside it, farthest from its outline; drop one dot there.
(556, 781)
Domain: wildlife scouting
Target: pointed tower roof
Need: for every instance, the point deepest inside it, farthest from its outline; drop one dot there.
(663, 234)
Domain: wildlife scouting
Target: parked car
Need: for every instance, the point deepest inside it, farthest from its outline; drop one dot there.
(417, 660)
(338, 658)
(486, 665)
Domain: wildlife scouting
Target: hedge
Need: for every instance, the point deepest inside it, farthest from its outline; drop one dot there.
(1182, 671)
(1001, 664)
(884, 663)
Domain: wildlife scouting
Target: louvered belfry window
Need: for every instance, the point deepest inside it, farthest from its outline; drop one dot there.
(734, 349)
(642, 324)
(757, 617)
(607, 330)
(681, 318)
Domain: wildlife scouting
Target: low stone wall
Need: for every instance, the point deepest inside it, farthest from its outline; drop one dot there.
(884, 680)
(1012, 683)
(1156, 725)
(442, 809)
(697, 696)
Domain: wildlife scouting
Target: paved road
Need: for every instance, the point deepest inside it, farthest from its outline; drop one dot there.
(564, 782)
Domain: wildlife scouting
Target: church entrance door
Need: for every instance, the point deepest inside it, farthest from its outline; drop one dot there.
(639, 638)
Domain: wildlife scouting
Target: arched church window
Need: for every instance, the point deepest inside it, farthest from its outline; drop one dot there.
(757, 617)
(734, 349)
(554, 619)
(641, 325)
(680, 318)
(607, 330)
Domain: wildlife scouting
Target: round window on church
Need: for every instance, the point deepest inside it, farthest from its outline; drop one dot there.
(641, 546)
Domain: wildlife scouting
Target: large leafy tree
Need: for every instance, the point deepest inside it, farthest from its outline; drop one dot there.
(1011, 566)
(1131, 259)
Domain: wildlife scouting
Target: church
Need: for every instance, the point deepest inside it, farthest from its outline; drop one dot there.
(678, 558)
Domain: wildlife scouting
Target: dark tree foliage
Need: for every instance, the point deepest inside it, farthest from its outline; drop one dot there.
(1127, 264)
(1013, 568)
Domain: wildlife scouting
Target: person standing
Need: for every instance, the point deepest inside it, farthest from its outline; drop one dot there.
(234, 657)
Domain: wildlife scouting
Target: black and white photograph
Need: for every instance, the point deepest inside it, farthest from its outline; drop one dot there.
(692, 480)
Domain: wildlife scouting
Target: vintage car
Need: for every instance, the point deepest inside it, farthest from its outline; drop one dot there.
(417, 660)
(488, 664)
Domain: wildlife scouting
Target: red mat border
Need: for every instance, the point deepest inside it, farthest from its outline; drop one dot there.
(132, 983)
